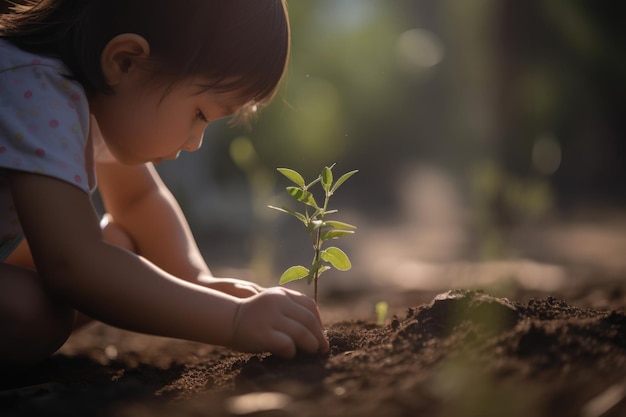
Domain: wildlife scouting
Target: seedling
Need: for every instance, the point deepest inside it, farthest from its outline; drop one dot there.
(318, 227)
(381, 309)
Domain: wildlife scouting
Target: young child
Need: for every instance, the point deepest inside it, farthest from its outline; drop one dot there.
(111, 87)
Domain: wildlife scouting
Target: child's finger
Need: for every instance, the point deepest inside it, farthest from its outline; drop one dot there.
(301, 335)
(282, 344)
(310, 321)
(306, 302)
(316, 328)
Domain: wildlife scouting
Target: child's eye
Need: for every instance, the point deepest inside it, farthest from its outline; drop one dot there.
(201, 116)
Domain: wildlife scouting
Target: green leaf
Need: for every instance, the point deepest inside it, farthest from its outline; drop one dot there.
(342, 179)
(323, 269)
(294, 273)
(292, 175)
(327, 178)
(318, 267)
(302, 196)
(337, 258)
(339, 225)
(287, 210)
(335, 234)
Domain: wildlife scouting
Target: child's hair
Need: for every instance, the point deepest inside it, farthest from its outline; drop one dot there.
(243, 45)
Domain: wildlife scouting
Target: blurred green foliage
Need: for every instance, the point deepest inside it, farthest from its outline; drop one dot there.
(447, 81)
(340, 84)
(520, 101)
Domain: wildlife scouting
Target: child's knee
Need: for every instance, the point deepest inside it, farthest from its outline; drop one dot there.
(46, 323)
(32, 338)
(115, 234)
(32, 325)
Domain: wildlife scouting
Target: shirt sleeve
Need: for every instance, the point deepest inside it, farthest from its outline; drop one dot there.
(44, 125)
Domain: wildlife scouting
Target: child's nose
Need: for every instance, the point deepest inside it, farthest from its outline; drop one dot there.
(194, 143)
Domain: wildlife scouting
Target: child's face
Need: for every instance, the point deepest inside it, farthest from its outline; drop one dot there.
(143, 124)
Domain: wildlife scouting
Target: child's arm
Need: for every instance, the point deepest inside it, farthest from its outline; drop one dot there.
(124, 289)
(142, 205)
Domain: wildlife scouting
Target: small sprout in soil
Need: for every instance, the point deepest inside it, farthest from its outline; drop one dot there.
(381, 312)
(318, 226)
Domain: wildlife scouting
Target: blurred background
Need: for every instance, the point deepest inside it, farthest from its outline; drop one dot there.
(488, 134)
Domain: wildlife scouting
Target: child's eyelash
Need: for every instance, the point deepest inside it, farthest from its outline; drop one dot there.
(201, 116)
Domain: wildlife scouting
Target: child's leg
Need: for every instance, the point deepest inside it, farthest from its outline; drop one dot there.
(33, 325)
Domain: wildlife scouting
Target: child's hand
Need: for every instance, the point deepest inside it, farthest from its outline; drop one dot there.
(280, 321)
(235, 287)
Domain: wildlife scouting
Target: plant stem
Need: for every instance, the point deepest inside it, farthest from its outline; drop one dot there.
(317, 245)
(318, 248)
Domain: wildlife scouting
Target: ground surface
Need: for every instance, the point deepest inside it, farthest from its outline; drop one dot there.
(461, 353)
(557, 347)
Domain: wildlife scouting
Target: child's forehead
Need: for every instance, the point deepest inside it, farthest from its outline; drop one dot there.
(232, 99)
(203, 88)
(230, 102)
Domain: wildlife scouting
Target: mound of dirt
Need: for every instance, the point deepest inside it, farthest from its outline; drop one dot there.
(465, 353)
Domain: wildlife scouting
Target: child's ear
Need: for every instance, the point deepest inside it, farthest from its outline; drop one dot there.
(120, 56)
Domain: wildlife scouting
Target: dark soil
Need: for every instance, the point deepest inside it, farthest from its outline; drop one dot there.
(465, 353)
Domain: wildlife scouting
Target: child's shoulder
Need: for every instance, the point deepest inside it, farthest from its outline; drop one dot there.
(12, 58)
(22, 73)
